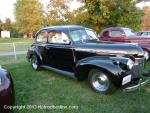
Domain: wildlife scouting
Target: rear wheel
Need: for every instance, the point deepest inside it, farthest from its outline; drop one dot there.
(35, 62)
(100, 82)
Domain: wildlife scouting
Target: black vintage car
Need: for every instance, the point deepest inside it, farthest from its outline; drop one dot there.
(76, 51)
(6, 91)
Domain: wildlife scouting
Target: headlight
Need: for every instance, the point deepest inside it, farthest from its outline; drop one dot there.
(146, 55)
(130, 64)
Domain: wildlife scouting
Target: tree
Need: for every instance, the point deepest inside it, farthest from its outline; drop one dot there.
(146, 24)
(8, 24)
(105, 13)
(29, 16)
(1, 27)
(126, 14)
(58, 12)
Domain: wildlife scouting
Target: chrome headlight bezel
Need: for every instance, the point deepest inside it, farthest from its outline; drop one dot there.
(130, 64)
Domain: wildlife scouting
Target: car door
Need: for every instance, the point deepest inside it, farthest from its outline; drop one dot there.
(117, 36)
(40, 42)
(59, 52)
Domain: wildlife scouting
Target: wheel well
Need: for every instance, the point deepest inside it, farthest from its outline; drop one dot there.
(31, 55)
(36, 56)
(83, 71)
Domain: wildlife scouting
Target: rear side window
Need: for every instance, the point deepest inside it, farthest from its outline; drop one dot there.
(57, 37)
(42, 37)
(106, 34)
(116, 33)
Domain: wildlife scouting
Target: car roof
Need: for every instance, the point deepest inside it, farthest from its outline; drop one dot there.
(116, 28)
(64, 27)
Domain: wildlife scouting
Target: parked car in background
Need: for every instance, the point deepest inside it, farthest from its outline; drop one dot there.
(143, 34)
(124, 35)
(75, 51)
(6, 91)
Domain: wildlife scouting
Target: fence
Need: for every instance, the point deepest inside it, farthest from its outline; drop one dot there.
(13, 52)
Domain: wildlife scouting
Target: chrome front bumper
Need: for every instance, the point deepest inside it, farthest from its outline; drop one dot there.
(138, 86)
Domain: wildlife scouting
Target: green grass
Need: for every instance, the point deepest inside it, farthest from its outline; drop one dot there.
(9, 40)
(48, 88)
(11, 59)
(18, 46)
(9, 48)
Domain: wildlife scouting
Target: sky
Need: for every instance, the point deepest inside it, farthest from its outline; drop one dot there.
(7, 7)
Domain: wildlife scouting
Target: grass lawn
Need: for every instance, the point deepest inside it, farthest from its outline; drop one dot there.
(48, 88)
(18, 46)
(9, 40)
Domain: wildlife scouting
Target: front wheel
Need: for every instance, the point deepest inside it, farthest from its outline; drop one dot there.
(35, 62)
(100, 82)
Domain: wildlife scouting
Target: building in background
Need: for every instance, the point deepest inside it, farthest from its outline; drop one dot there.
(5, 34)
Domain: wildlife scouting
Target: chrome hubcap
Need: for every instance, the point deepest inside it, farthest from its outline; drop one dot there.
(100, 81)
(34, 63)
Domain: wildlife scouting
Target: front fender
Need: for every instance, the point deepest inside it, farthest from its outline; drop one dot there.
(145, 47)
(106, 63)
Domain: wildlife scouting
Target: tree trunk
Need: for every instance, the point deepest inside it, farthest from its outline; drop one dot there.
(30, 35)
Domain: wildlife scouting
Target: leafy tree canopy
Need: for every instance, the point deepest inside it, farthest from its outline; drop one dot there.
(8, 24)
(58, 12)
(146, 22)
(29, 16)
(99, 14)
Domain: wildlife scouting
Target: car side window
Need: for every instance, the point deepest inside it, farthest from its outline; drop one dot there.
(144, 34)
(58, 37)
(42, 37)
(106, 34)
(116, 33)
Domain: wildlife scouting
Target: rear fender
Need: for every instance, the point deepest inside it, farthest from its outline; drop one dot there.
(34, 52)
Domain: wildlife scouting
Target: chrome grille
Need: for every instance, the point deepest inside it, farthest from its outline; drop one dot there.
(137, 70)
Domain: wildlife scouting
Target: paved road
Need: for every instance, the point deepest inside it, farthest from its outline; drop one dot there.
(12, 53)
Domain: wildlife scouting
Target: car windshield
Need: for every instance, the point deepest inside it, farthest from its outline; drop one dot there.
(129, 32)
(83, 35)
(92, 34)
(145, 34)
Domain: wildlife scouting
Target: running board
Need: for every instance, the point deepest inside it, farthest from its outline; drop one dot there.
(66, 73)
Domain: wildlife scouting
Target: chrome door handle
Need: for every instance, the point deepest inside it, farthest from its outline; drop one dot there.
(47, 48)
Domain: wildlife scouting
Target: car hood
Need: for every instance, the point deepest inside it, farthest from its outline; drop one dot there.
(110, 48)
